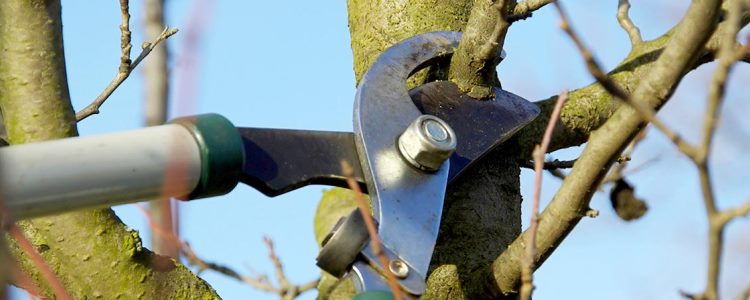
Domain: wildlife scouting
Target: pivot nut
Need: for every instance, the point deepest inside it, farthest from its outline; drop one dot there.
(427, 143)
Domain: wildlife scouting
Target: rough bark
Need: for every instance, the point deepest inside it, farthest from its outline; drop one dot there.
(92, 252)
(473, 66)
(683, 48)
(482, 213)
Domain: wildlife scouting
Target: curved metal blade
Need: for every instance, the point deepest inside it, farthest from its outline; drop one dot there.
(407, 203)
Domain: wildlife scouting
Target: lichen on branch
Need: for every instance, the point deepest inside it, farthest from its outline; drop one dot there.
(92, 252)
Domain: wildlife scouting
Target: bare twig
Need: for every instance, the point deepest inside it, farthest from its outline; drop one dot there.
(549, 165)
(605, 144)
(745, 295)
(163, 210)
(527, 277)
(626, 23)
(125, 45)
(28, 248)
(22, 280)
(717, 220)
(618, 170)
(557, 173)
(285, 290)
(370, 224)
(126, 67)
(524, 9)
(613, 88)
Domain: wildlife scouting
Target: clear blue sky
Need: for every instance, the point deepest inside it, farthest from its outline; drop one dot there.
(287, 64)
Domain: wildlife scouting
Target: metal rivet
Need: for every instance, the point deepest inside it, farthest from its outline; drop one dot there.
(399, 268)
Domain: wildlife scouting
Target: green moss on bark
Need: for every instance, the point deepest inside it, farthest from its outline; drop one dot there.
(376, 25)
(589, 107)
(92, 252)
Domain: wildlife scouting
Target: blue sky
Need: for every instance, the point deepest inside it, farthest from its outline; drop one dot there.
(288, 64)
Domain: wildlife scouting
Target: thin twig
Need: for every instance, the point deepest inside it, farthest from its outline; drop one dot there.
(745, 295)
(717, 220)
(524, 9)
(126, 67)
(527, 276)
(557, 173)
(549, 165)
(613, 88)
(623, 17)
(618, 170)
(28, 248)
(125, 45)
(23, 281)
(370, 224)
(285, 290)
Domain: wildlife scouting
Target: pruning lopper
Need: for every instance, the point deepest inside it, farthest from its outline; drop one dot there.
(406, 147)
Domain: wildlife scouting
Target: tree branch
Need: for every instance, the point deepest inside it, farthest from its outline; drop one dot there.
(549, 165)
(473, 64)
(528, 267)
(28, 248)
(627, 24)
(524, 9)
(611, 86)
(126, 67)
(589, 107)
(364, 209)
(156, 87)
(745, 295)
(571, 202)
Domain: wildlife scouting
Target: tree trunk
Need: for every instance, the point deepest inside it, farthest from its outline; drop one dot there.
(92, 252)
(482, 213)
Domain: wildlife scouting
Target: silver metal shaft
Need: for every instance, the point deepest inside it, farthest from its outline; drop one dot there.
(98, 171)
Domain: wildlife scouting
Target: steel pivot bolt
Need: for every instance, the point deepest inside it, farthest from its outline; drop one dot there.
(427, 143)
(398, 268)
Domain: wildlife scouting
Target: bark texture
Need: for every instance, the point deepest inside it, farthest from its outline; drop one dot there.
(482, 212)
(92, 252)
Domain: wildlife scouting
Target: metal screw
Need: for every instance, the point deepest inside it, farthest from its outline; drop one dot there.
(427, 143)
(399, 268)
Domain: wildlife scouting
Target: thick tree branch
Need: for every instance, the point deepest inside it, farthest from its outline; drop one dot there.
(82, 242)
(613, 88)
(588, 107)
(571, 201)
(473, 64)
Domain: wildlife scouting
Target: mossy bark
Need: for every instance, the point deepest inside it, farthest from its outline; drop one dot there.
(92, 252)
(482, 212)
(481, 216)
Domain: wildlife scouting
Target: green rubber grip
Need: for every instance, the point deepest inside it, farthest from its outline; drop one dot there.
(222, 154)
(374, 295)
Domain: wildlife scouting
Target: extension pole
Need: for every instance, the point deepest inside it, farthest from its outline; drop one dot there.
(189, 158)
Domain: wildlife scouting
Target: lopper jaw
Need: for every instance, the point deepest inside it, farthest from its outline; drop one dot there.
(407, 200)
